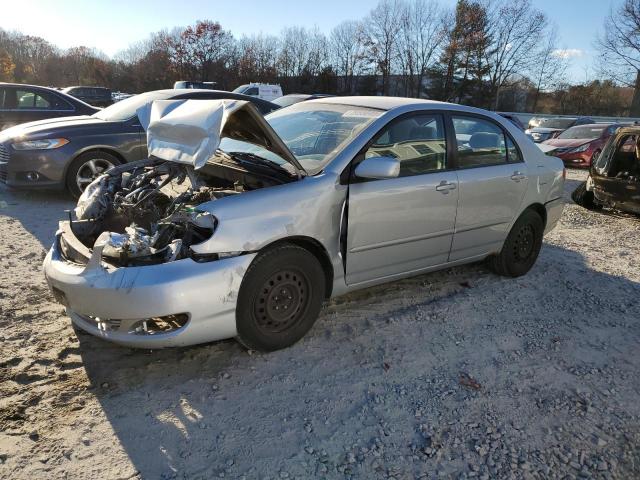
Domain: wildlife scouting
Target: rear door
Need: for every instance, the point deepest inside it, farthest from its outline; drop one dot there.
(402, 224)
(493, 181)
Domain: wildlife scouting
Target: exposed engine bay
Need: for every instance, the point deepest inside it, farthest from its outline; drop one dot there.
(146, 212)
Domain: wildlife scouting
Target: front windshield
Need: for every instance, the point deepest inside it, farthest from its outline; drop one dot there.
(240, 89)
(593, 131)
(126, 109)
(556, 122)
(314, 132)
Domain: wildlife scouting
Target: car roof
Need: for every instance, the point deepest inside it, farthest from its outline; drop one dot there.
(382, 103)
(633, 129)
(85, 86)
(28, 85)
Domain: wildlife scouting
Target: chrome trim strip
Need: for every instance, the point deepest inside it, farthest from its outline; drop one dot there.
(477, 227)
(401, 241)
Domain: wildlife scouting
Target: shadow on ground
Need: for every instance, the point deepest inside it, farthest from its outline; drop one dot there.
(373, 359)
(38, 211)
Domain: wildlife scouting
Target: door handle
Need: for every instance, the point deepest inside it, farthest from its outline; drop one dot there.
(445, 186)
(517, 176)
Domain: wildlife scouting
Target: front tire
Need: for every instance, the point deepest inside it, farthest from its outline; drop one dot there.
(86, 168)
(280, 298)
(581, 196)
(522, 246)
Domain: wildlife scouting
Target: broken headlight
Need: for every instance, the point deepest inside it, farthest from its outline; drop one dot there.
(170, 240)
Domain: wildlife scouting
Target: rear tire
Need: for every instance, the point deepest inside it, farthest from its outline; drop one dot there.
(521, 248)
(280, 298)
(87, 167)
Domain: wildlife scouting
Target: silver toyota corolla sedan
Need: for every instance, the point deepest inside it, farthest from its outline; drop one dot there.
(241, 226)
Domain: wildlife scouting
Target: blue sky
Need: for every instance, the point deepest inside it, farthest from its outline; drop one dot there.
(111, 25)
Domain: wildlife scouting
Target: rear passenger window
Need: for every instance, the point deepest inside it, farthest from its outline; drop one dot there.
(2, 95)
(513, 154)
(481, 143)
(31, 100)
(418, 142)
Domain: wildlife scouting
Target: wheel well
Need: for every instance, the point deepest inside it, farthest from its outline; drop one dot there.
(540, 210)
(317, 250)
(105, 150)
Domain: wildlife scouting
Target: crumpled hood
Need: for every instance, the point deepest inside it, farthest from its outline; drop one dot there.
(190, 131)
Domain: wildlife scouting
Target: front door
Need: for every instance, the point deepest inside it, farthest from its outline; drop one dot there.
(493, 181)
(403, 224)
(616, 178)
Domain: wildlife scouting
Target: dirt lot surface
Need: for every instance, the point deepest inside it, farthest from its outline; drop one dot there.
(457, 374)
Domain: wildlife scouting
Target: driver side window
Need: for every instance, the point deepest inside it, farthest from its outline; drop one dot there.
(418, 142)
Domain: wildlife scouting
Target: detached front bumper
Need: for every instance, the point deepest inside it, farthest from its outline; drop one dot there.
(112, 303)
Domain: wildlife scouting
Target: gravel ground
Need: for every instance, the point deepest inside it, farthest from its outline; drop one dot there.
(457, 374)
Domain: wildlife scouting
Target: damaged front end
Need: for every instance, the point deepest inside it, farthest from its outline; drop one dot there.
(125, 265)
(143, 214)
(147, 212)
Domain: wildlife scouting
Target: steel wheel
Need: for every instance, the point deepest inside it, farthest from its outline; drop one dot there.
(90, 170)
(524, 243)
(521, 247)
(282, 301)
(280, 297)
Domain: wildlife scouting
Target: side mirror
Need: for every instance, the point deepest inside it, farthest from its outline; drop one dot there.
(378, 168)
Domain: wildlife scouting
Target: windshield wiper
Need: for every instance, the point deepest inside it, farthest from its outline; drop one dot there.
(257, 159)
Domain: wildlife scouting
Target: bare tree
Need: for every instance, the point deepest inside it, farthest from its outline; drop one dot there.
(294, 51)
(303, 55)
(620, 48)
(516, 30)
(257, 57)
(423, 31)
(347, 52)
(549, 68)
(383, 26)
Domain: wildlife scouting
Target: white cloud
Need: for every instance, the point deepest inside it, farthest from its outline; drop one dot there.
(568, 52)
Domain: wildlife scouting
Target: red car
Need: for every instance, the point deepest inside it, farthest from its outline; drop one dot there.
(579, 145)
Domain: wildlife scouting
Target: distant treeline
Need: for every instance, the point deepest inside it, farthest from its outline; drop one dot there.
(500, 54)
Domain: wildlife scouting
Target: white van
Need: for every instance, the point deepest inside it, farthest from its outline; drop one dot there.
(263, 91)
